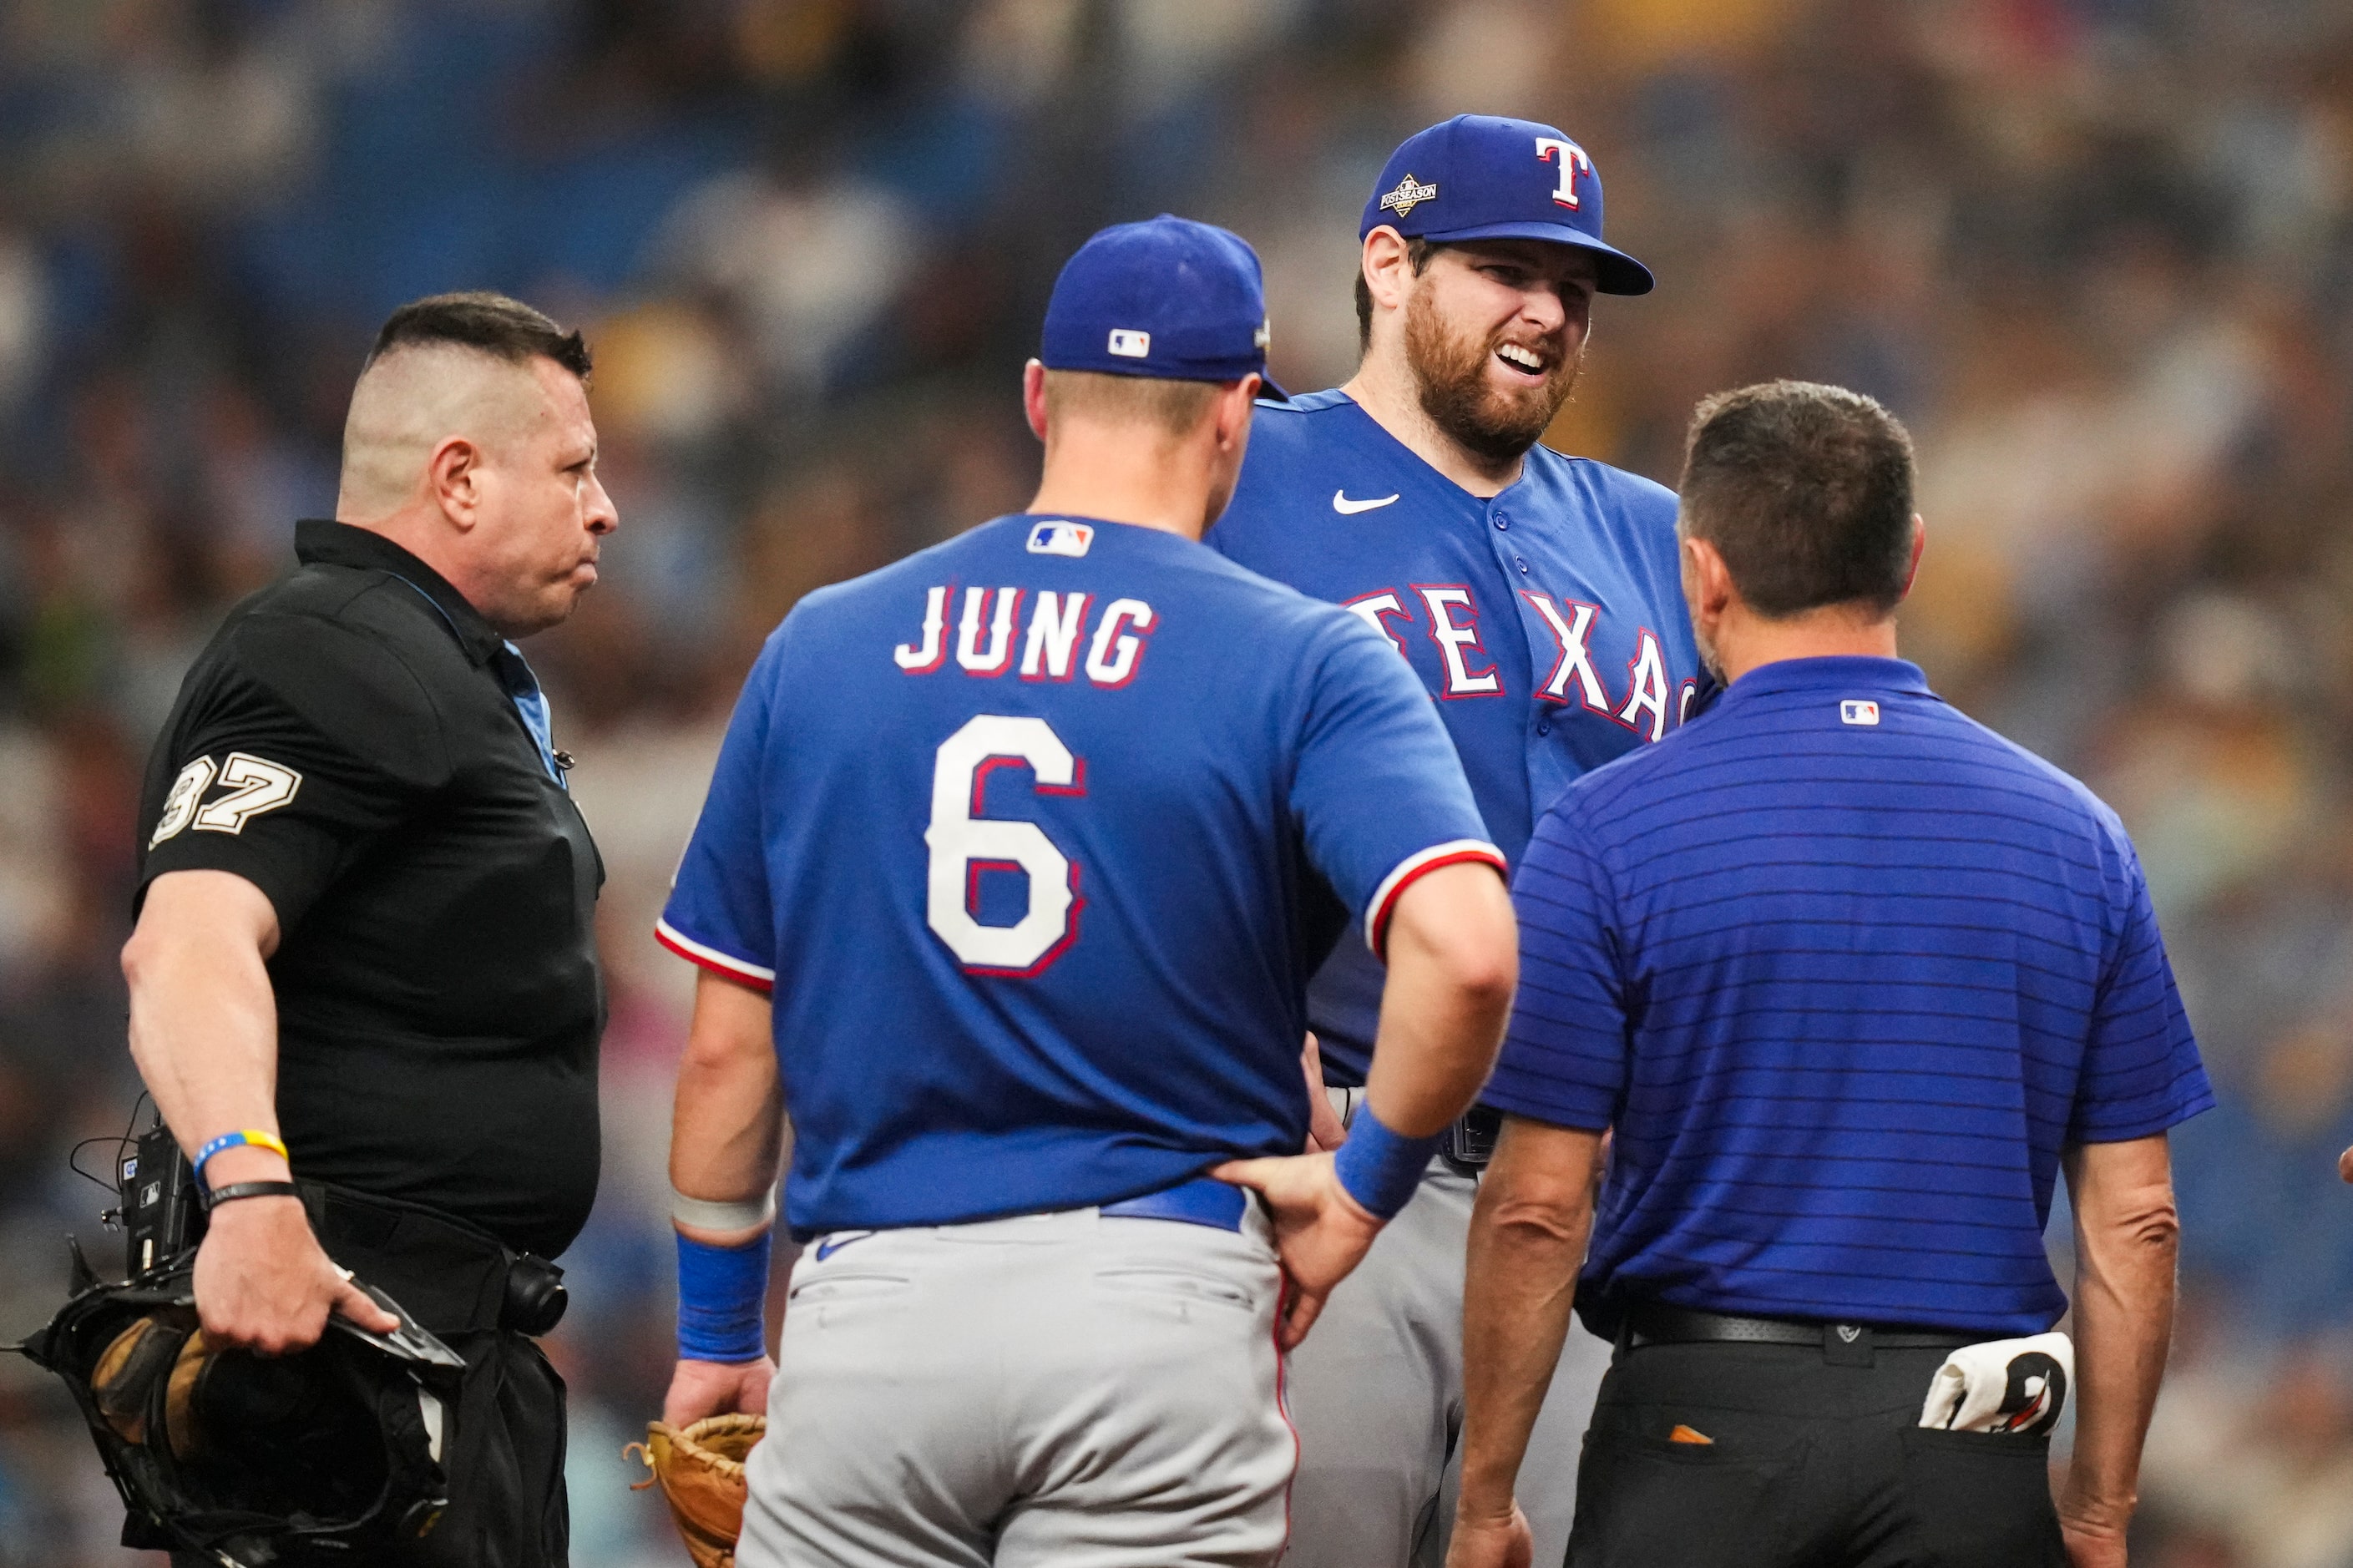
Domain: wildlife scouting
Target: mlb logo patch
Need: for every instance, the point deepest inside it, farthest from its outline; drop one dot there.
(1853, 711)
(1071, 539)
(1129, 343)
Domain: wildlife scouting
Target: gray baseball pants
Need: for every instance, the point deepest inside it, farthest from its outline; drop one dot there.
(1067, 1389)
(1377, 1394)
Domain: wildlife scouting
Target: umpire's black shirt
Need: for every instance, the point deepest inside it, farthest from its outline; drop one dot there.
(350, 743)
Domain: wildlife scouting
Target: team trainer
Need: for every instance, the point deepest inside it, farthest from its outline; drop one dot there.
(1852, 979)
(1015, 865)
(1535, 596)
(365, 943)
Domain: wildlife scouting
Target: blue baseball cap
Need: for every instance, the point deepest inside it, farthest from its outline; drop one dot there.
(1170, 298)
(1479, 177)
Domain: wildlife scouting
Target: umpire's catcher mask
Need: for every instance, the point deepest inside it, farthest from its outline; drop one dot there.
(249, 1460)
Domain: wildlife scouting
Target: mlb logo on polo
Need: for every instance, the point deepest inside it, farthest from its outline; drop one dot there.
(1129, 343)
(1853, 711)
(1060, 538)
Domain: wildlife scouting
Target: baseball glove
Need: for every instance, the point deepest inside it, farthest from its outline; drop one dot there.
(702, 1474)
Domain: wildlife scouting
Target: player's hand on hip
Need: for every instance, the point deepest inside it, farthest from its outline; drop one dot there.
(263, 1283)
(1320, 1232)
(1492, 1543)
(700, 1388)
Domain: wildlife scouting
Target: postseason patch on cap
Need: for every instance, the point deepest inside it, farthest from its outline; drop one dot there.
(1060, 538)
(1410, 193)
(1853, 711)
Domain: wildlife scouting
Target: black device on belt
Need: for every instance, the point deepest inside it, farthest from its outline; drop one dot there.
(161, 1207)
(1470, 1140)
(1657, 1323)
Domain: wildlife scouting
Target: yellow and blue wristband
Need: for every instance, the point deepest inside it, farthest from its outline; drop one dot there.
(244, 1137)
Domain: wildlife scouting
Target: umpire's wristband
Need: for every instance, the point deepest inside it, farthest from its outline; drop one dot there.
(1381, 1168)
(214, 1198)
(722, 1291)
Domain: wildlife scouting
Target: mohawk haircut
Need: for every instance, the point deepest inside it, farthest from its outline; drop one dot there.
(486, 322)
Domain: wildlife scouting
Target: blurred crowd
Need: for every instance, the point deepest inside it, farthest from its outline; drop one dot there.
(2097, 253)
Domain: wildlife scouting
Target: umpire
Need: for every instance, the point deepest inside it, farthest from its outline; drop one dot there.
(1852, 979)
(364, 941)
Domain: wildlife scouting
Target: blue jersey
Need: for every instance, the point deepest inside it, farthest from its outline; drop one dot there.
(1549, 622)
(1845, 971)
(1037, 837)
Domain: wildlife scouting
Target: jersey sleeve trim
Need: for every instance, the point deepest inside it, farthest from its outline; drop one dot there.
(711, 958)
(1454, 852)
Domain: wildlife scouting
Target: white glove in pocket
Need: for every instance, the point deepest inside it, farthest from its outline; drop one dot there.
(2002, 1385)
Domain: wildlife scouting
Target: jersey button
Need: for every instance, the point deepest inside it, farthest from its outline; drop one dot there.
(1503, 519)
(1524, 564)
(1543, 727)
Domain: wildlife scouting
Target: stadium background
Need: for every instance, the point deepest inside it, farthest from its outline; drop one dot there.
(2098, 253)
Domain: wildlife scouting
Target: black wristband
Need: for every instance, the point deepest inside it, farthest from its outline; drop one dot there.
(235, 1190)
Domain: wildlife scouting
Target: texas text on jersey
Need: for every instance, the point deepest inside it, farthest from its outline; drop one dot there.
(1547, 621)
(1453, 628)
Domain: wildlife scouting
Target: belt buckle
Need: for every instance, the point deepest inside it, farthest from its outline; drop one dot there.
(1848, 1344)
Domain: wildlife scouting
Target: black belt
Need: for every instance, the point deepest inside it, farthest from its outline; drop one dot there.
(450, 1275)
(1657, 1323)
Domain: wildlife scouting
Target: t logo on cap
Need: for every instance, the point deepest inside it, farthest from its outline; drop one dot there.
(1129, 343)
(1570, 155)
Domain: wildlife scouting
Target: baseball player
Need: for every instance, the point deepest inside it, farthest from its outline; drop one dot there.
(1015, 862)
(1538, 598)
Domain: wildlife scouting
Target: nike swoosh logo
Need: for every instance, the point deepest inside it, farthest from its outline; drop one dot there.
(833, 1243)
(1346, 508)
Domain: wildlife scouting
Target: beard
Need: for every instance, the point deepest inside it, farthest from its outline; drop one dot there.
(1449, 371)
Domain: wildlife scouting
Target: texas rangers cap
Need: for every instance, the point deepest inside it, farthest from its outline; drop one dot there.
(1478, 176)
(1170, 298)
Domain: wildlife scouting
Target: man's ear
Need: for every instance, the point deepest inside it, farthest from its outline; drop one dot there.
(1919, 543)
(454, 475)
(1388, 269)
(1033, 396)
(1708, 580)
(1237, 401)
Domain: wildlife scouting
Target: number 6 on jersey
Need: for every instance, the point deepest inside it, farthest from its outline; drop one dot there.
(964, 844)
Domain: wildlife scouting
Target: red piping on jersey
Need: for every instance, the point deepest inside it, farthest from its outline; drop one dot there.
(1378, 928)
(719, 964)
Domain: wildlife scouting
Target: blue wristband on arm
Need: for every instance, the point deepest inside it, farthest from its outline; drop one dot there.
(722, 1294)
(1381, 1168)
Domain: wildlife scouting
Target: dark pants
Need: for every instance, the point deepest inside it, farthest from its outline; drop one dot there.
(1811, 1465)
(506, 1462)
(506, 1467)
(504, 1449)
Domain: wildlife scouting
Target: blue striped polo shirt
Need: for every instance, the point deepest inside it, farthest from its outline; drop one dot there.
(1845, 971)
